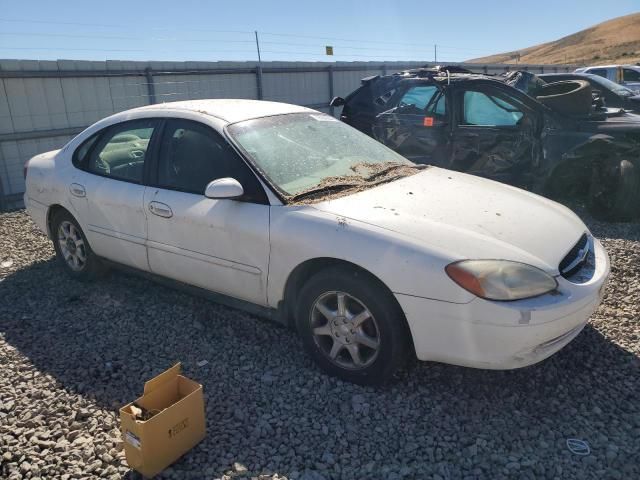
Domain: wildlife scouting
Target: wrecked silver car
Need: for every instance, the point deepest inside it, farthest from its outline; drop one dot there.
(555, 139)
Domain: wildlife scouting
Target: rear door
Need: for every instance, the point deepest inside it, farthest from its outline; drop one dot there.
(496, 135)
(217, 244)
(418, 126)
(108, 191)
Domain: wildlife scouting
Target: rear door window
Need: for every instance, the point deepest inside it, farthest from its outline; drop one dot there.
(482, 109)
(121, 152)
(423, 99)
(418, 97)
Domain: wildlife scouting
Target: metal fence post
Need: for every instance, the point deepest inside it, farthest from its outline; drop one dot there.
(2, 192)
(331, 92)
(151, 87)
(384, 69)
(259, 81)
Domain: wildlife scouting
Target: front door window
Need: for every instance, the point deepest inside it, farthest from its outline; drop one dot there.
(482, 109)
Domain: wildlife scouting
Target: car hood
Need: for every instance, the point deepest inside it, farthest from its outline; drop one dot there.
(462, 216)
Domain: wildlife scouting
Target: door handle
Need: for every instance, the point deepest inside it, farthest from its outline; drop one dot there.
(77, 190)
(160, 209)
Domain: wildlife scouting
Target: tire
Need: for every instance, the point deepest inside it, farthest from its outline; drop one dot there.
(73, 250)
(379, 337)
(572, 97)
(614, 195)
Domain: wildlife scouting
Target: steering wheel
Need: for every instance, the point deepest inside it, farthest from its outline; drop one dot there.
(102, 165)
(136, 154)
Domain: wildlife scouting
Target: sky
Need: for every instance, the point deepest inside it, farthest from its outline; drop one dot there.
(289, 30)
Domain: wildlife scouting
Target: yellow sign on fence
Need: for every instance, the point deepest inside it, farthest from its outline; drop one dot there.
(329, 49)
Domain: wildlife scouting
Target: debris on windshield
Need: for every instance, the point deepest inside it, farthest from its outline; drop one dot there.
(367, 175)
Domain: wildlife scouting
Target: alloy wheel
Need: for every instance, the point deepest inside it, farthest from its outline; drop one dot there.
(72, 246)
(345, 330)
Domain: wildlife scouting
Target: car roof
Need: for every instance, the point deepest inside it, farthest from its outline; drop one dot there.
(230, 110)
(567, 74)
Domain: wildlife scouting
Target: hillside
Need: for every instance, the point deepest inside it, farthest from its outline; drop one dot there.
(613, 41)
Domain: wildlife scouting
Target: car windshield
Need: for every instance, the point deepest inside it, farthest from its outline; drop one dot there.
(614, 87)
(303, 152)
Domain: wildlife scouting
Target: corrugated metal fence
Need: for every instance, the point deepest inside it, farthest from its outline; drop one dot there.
(43, 104)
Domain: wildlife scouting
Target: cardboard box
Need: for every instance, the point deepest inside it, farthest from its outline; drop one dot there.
(176, 408)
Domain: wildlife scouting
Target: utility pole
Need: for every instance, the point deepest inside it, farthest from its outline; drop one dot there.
(435, 53)
(258, 46)
(259, 69)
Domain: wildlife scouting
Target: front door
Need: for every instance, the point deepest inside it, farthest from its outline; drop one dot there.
(417, 127)
(495, 136)
(108, 192)
(220, 245)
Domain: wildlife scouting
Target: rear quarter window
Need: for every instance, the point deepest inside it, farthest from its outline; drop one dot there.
(80, 155)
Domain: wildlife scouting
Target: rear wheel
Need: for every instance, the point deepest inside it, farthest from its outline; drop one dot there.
(352, 326)
(614, 194)
(72, 248)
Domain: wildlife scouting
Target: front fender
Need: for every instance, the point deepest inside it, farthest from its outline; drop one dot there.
(302, 233)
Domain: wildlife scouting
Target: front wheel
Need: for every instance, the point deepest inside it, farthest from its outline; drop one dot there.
(614, 194)
(72, 248)
(352, 326)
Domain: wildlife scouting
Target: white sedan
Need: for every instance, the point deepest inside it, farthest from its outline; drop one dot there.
(371, 257)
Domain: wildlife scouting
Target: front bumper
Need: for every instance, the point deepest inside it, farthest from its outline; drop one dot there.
(504, 335)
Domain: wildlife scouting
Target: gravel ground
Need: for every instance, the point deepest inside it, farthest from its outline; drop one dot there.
(72, 354)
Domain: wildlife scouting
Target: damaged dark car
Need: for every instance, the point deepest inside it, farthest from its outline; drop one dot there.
(556, 139)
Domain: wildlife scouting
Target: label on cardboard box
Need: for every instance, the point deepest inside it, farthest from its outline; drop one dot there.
(132, 439)
(178, 427)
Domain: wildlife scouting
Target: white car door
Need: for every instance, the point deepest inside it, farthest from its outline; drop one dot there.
(107, 191)
(220, 245)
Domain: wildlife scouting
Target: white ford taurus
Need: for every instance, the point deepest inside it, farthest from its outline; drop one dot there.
(371, 257)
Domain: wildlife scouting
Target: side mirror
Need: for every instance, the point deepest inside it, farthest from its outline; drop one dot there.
(336, 102)
(224, 188)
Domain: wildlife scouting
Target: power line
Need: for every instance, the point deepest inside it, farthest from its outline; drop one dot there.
(187, 40)
(63, 49)
(415, 48)
(113, 25)
(290, 35)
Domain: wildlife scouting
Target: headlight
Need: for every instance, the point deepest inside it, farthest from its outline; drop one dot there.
(500, 279)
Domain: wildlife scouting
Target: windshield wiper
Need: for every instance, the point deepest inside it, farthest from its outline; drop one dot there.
(333, 187)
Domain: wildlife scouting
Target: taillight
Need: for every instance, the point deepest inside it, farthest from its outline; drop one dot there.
(26, 167)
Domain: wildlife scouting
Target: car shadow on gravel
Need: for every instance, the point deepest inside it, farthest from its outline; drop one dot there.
(269, 408)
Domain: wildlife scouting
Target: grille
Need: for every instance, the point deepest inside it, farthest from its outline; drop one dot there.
(576, 258)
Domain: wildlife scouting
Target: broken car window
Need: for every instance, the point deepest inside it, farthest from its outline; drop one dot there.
(383, 99)
(488, 110)
(298, 152)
